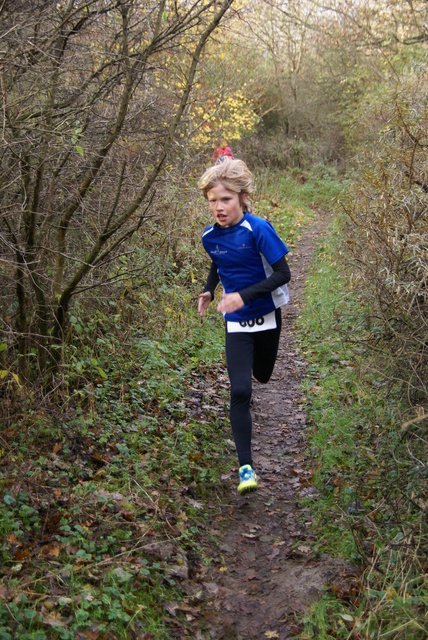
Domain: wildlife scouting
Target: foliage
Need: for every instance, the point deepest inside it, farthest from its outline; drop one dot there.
(308, 66)
(290, 199)
(103, 504)
(290, 77)
(227, 121)
(120, 456)
(370, 473)
(105, 119)
(109, 483)
(89, 120)
(388, 231)
(221, 112)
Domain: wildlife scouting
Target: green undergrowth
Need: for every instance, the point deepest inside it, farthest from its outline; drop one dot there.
(104, 498)
(370, 495)
(289, 200)
(109, 482)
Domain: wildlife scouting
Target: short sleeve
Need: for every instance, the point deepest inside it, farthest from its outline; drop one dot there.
(269, 243)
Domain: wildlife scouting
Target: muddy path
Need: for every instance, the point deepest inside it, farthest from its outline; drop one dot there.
(264, 571)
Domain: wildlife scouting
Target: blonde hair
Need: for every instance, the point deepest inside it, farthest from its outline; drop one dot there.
(233, 175)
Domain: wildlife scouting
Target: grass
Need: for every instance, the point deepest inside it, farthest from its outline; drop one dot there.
(127, 461)
(362, 511)
(109, 486)
(289, 200)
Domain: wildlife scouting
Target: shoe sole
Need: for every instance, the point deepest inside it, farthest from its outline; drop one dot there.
(248, 488)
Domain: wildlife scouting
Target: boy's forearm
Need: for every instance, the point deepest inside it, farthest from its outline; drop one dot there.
(212, 280)
(280, 276)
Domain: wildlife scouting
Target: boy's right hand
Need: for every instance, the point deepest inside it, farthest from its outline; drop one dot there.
(203, 303)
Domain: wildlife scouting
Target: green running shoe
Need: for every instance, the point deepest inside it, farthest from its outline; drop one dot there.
(248, 479)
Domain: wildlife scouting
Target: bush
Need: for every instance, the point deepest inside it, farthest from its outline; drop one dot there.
(388, 233)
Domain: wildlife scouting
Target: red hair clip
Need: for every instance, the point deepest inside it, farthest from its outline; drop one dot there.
(221, 153)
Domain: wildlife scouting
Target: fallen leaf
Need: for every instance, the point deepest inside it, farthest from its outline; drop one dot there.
(16, 568)
(51, 550)
(171, 608)
(90, 634)
(347, 617)
(211, 587)
(303, 549)
(21, 554)
(55, 620)
(296, 472)
(195, 503)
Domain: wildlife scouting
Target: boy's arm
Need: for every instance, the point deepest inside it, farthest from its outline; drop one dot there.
(281, 275)
(212, 280)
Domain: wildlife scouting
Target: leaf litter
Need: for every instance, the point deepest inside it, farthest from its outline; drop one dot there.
(249, 570)
(263, 564)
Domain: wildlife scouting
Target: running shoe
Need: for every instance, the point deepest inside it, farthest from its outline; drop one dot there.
(248, 479)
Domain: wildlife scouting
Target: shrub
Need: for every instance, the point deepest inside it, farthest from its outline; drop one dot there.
(388, 233)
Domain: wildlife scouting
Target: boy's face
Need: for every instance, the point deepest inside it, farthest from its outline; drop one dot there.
(226, 206)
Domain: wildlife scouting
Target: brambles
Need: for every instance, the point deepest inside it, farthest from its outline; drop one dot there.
(369, 460)
(387, 237)
(89, 124)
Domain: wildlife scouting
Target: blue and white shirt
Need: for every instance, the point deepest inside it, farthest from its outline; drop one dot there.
(243, 255)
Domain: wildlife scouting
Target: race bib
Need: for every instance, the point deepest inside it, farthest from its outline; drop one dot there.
(251, 326)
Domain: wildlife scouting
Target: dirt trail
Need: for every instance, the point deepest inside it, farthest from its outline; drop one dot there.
(263, 571)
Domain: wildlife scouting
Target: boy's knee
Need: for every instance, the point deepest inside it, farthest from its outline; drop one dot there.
(262, 374)
(241, 394)
(263, 378)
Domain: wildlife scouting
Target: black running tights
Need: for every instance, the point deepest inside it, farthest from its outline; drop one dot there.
(246, 354)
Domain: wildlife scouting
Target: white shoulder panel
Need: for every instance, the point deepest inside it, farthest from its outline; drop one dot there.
(246, 224)
(207, 231)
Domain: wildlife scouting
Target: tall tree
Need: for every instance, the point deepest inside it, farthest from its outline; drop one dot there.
(88, 120)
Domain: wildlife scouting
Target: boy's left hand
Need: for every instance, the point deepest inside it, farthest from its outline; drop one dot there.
(230, 302)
